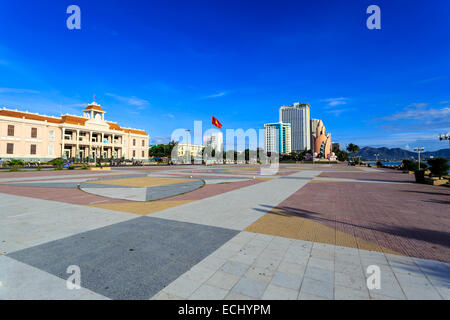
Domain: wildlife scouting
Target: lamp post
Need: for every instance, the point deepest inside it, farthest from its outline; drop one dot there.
(419, 150)
(445, 136)
(187, 145)
(376, 155)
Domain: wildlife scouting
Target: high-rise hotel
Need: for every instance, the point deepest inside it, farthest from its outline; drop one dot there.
(30, 136)
(298, 116)
(277, 137)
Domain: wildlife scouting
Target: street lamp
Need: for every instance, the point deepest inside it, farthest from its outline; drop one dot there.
(445, 136)
(188, 152)
(419, 150)
(377, 155)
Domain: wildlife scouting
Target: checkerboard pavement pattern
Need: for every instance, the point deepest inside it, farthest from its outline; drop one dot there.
(236, 237)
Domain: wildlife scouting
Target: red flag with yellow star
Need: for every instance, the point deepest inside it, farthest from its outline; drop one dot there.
(216, 122)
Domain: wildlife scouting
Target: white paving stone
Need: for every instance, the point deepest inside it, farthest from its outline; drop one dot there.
(317, 288)
(345, 293)
(249, 287)
(274, 292)
(286, 280)
(223, 280)
(208, 292)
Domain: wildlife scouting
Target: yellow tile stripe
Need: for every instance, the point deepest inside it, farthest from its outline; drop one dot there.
(280, 223)
(142, 182)
(141, 208)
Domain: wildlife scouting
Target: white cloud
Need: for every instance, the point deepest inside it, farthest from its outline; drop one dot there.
(217, 95)
(420, 111)
(134, 101)
(333, 102)
(17, 90)
(431, 79)
(337, 112)
(160, 140)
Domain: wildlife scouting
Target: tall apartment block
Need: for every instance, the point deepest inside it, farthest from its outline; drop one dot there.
(277, 137)
(298, 115)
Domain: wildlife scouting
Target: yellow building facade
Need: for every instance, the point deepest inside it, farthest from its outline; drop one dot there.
(30, 136)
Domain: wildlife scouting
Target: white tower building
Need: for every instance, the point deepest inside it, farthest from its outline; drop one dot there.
(298, 116)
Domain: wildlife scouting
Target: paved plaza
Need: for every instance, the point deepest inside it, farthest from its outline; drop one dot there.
(223, 232)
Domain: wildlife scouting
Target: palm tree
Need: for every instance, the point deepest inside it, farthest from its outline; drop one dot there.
(353, 148)
(15, 163)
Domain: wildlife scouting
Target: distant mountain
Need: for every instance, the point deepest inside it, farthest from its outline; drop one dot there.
(369, 153)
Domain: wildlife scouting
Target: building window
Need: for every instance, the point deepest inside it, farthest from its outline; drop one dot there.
(143, 143)
(143, 154)
(51, 135)
(34, 132)
(11, 130)
(134, 153)
(134, 142)
(10, 148)
(33, 149)
(50, 149)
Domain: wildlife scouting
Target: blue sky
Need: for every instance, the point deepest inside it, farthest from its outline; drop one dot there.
(160, 65)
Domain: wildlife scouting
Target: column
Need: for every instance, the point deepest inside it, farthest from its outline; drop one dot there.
(62, 144)
(77, 150)
(90, 143)
(103, 139)
(113, 150)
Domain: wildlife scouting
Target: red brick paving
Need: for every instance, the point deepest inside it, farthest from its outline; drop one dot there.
(411, 219)
(387, 175)
(73, 196)
(44, 173)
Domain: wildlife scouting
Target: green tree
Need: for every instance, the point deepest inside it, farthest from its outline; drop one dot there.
(353, 148)
(438, 166)
(162, 150)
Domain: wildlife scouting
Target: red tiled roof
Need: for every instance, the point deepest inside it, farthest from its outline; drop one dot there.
(69, 119)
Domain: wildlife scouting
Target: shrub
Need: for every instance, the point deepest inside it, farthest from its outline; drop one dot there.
(58, 162)
(409, 165)
(71, 168)
(84, 166)
(15, 163)
(438, 166)
(379, 164)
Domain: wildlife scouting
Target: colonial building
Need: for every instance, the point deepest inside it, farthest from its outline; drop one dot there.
(194, 150)
(31, 136)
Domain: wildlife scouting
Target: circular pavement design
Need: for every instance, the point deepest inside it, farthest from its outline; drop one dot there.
(141, 188)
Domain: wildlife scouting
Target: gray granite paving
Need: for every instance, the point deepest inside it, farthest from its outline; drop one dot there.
(134, 259)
